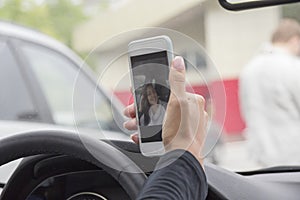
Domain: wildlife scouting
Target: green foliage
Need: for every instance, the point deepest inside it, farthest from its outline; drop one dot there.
(291, 11)
(53, 17)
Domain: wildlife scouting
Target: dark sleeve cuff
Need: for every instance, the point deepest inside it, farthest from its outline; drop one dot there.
(172, 156)
(178, 175)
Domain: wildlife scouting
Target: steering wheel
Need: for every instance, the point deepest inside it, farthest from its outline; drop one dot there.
(91, 150)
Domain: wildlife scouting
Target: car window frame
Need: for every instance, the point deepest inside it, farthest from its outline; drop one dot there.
(18, 42)
(25, 80)
(32, 83)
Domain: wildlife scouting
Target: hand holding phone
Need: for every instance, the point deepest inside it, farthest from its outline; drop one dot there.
(185, 123)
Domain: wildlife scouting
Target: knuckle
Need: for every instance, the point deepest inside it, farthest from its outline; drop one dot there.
(200, 100)
(206, 116)
(173, 102)
(178, 102)
(183, 102)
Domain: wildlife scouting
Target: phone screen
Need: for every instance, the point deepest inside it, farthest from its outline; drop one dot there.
(151, 86)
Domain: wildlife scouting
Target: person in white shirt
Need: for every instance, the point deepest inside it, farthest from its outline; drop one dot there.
(270, 99)
(152, 111)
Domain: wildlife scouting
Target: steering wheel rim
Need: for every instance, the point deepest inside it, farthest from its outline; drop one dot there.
(103, 155)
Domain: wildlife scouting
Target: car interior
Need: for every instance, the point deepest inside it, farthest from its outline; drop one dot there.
(65, 165)
(64, 168)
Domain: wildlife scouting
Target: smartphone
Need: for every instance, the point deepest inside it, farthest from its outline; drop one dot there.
(149, 61)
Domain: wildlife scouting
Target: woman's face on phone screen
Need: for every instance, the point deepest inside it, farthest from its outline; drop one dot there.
(151, 95)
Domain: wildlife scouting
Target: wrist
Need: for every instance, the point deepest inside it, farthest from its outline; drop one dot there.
(197, 154)
(195, 150)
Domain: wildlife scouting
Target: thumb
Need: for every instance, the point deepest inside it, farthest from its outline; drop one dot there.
(177, 77)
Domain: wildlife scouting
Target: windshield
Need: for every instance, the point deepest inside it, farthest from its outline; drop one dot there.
(249, 81)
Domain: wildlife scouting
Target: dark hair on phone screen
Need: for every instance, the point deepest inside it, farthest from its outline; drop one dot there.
(145, 104)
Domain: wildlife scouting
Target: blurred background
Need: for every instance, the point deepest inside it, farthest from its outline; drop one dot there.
(230, 39)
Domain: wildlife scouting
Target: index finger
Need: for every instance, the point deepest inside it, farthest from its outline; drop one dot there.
(129, 111)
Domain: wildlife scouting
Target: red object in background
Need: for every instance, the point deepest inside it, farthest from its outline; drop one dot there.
(125, 97)
(233, 123)
(198, 89)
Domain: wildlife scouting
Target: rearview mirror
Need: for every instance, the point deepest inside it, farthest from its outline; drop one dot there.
(237, 5)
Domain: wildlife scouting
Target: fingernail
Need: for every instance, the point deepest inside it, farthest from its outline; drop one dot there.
(132, 136)
(178, 63)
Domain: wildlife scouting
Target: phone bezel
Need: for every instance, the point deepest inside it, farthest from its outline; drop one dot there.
(142, 47)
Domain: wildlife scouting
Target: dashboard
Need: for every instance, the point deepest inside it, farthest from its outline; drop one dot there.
(60, 177)
(85, 185)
